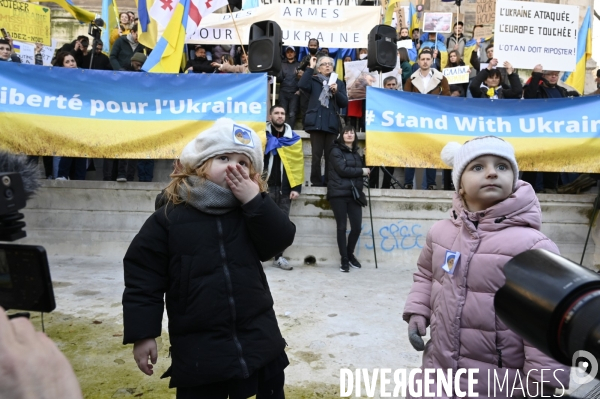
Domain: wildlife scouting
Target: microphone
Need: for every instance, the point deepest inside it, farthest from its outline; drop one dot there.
(99, 22)
(29, 171)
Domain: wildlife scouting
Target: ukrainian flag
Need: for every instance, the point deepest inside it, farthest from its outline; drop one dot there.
(80, 14)
(110, 15)
(148, 32)
(167, 54)
(389, 13)
(413, 17)
(291, 154)
(576, 79)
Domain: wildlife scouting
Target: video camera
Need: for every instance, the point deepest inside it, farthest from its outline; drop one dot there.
(553, 304)
(94, 30)
(25, 281)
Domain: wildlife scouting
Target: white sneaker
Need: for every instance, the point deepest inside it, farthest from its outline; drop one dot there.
(282, 263)
(61, 178)
(122, 179)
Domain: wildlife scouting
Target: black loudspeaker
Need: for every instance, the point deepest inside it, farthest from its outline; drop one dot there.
(382, 49)
(264, 47)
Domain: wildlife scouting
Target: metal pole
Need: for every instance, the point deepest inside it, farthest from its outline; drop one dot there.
(371, 217)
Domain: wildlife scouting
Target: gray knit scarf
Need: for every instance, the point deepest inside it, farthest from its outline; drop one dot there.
(326, 92)
(208, 197)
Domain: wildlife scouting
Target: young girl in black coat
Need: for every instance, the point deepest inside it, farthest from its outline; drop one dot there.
(346, 170)
(202, 251)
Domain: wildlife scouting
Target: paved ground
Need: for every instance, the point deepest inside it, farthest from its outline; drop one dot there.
(330, 320)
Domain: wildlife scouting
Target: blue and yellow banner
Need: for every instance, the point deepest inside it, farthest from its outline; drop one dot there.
(110, 114)
(410, 129)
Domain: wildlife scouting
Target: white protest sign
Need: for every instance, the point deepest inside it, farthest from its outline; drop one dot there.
(457, 74)
(358, 78)
(27, 52)
(407, 44)
(336, 27)
(527, 34)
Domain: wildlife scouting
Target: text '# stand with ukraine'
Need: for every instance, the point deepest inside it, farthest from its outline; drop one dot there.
(405, 129)
(86, 113)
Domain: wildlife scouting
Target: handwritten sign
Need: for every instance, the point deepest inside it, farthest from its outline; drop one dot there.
(25, 22)
(527, 34)
(485, 12)
(457, 75)
(26, 52)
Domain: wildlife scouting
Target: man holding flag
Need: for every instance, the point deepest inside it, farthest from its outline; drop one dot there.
(284, 167)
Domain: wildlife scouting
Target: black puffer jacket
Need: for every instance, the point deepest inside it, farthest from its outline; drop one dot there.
(319, 118)
(345, 168)
(221, 319)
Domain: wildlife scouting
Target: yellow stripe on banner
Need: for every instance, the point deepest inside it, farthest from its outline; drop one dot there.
(423, 151)
(293, 161)
(56, 135)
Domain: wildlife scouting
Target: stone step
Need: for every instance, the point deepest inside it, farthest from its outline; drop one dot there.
(93, 218)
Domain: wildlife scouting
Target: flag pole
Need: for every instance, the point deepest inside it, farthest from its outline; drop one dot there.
(237, 31)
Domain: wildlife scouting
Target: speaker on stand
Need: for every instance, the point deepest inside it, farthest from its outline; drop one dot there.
(382, 49)
(264, 47)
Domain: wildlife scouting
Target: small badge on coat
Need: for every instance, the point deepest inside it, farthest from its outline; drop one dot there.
(242, 136)
(451, 261)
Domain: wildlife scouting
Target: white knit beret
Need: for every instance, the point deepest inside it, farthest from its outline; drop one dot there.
(224, 137)
(458, 156)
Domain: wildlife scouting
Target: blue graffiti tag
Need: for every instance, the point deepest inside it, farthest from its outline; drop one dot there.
(395, 236)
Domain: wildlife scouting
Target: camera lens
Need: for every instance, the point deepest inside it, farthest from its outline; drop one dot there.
(552, 303)
(8, 193)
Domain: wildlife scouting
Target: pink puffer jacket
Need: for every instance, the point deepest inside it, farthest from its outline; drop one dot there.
(465, 331)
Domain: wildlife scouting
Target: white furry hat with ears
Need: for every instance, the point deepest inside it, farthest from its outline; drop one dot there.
(458, 156)
(224, 137)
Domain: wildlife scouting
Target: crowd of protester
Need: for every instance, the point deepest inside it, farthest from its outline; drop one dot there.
(421, 74)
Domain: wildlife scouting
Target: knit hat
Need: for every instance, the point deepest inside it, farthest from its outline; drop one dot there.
(139, 57)
(458, 156)
(225, 136)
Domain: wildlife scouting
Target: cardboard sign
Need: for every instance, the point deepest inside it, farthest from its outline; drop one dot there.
(457, 74)
(527, 34)
(25, 22)
(437, 22)
(483, 32)
(485, 12)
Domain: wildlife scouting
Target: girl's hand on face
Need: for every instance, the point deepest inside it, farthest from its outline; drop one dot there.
(240, 183)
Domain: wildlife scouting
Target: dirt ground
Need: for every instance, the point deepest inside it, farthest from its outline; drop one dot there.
(330, 320)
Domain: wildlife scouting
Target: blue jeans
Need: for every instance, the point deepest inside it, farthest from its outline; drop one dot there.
(145, 169)
(428, 177)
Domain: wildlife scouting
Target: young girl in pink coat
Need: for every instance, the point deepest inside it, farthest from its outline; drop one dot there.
(494, 217)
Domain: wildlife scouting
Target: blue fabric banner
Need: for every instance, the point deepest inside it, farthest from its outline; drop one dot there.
(410, 129)
(81, 112)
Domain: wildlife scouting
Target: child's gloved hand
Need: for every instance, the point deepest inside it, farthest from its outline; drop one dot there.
(143, 349)
(416, 329)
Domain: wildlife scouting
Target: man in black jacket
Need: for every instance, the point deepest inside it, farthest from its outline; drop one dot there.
(322, 119)
(313, 47)
(288, 85)
(277, 174)
(100, 61)
(200, 64)
(124, 48)
(544, 84)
